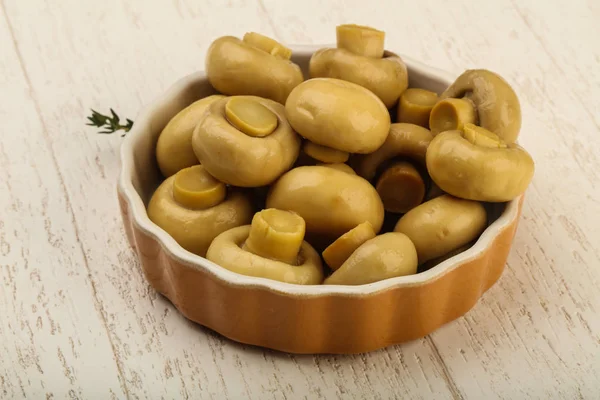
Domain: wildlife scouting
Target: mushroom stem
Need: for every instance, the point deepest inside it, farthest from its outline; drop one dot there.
(250, 117)
(276, 235)
(361, 40)
(415, 106)
(195, 188)
(268, 45)
(452, 114)
(401, 187)
(482, 137)
(325, 154)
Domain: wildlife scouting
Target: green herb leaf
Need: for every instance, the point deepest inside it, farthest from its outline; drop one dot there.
(109, 124)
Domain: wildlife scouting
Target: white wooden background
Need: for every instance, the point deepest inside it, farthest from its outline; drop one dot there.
(77, 319)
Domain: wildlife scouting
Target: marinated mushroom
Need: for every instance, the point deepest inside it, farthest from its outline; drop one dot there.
(477, 165)
(272, 247)
(385, 256)
(399, 184)
(337, 252)
(441, 225)
(338, 114)
(174, 148)
(331, 201)
(245, 141)
(360, 58)
(193, 207)
(415, 106)
(492, 101)
(256, 65)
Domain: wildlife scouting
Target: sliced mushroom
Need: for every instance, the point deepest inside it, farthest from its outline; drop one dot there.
(272, 247)
(477, 165)
(193, 207)
(331, 201)
(495, 103)
(360, 58)
(441, 225)
(338, 114)
(174, 148)
(385, 256)
(256, 65)
(245, 141)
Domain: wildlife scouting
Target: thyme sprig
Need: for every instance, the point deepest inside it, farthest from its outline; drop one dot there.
(109, 124)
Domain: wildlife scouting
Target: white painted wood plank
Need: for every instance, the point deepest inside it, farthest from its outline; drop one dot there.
(53, 341)
(536, 333)
(161, 354)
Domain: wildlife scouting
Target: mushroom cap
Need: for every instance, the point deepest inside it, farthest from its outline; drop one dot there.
(174, 147)
(403, 140)
(497, 104)
(194, 230)
(386, 77)
(441, 225)
(239, 159)
(338, 114)
(331, 201)
(234, 67)
(475, 172)
(385, 256)
(226, 251)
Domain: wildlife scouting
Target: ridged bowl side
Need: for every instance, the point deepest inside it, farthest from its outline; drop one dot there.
(329, 323)
(295, 318)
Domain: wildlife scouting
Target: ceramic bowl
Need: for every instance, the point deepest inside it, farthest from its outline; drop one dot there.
(296, 318)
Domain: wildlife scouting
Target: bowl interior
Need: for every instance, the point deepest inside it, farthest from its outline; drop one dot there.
(142, 169)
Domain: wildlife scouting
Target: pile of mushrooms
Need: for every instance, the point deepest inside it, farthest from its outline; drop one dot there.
(312, 181)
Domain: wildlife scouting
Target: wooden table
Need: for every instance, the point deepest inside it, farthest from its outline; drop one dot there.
(78, 320)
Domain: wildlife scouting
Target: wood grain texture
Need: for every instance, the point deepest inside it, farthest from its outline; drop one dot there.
(77, 318)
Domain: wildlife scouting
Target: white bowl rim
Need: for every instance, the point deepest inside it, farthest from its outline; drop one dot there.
(137, 211)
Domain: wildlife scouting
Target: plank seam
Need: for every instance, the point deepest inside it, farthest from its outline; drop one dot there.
(68, 204)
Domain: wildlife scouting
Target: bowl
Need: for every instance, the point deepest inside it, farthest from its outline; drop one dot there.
(295, 318)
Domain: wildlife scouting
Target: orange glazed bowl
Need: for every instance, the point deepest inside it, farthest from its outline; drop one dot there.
(297, 318)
